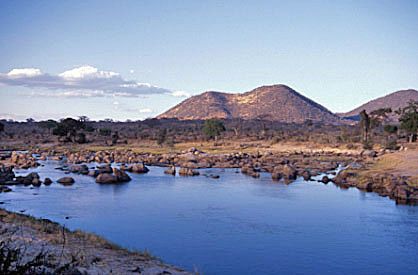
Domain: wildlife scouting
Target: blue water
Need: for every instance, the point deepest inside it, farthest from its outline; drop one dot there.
(235, 224)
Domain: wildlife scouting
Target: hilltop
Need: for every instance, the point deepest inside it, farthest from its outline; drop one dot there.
(275, 103)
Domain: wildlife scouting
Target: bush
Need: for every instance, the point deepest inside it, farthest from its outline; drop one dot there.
(367, 145)
(392, 145)
(105, 132)
(81, 138)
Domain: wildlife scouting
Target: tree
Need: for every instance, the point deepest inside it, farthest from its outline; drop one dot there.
(1, 127)
(213, 128)
(68, 127)
(48, 124)
(83, 119)
(409, 119)
(365, 125)
(378, 116)
(161, 136)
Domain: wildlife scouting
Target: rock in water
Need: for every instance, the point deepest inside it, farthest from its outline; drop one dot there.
(106, 178)
(66, 181)
(170, 171)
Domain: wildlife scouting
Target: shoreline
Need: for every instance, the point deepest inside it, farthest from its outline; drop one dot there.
(72, 251)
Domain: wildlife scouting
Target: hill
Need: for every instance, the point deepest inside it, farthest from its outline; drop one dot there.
(394, 100)
(275, 103)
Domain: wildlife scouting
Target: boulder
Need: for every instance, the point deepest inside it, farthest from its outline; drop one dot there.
(36, 182)
(188, 172)
(139, 168)
(106, 178)
(369, 153)
(306, 174)
(171, 171)
(66, 181)
(93, 173)
(325, 179)
(121, 176)
(275, 175)
(289, 172)
(105, 169)
(47, 181)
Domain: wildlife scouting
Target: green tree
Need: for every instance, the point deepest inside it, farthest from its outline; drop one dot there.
(213, 128)
(48, 124)
(68, 127)
(409, 119)
(1, 127)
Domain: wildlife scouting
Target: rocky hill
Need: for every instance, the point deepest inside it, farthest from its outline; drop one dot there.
(394, 100)
(275, 103)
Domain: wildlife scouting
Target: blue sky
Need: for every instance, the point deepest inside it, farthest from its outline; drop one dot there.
(135, 59)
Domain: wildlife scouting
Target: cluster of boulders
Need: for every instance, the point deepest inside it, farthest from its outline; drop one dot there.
(7, 177)
(195, 159)
(23, 160)
(106, 174)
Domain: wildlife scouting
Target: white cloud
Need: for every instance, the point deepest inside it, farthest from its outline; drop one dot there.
(180, 94)
(84, 81)
(145, 111)
(87, 72)
(19, 73)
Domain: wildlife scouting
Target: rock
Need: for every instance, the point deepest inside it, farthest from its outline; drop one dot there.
(121, 176)
(82, 169)
(139, 168)
(171, 171)
(36, 182)
(369, 153)
(325, 179)
(276, 175)
(306, 174)
(93, 173)
(366, 184)
(188, 172)
(5, 189)
(66, 181)
(105, 169)
(255, 175)
(6, 173)
(289, 172)
(106, 178)
(214, 176)
(47, 181)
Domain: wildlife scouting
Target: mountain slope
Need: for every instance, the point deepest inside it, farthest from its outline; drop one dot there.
(394, 100)
(276, 102)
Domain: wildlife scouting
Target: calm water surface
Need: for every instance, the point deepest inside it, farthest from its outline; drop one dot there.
(235, 224)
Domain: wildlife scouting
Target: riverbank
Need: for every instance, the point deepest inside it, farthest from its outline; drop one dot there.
(43, 245)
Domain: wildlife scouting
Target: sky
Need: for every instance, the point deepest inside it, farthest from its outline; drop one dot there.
(136, 59)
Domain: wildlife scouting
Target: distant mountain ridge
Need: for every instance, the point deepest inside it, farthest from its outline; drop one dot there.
(394, 100)
(275, 102)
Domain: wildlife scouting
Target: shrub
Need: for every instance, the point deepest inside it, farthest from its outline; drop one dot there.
(392, 145)
(367, 144)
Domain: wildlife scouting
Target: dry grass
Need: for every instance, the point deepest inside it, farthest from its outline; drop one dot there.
(403, 163)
